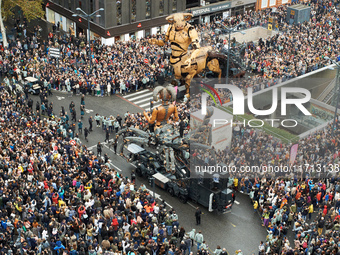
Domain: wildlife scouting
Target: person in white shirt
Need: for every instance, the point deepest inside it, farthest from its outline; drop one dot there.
(44, 234)
(139, 206)
(109, 88)
(156, 209)
(126, 227)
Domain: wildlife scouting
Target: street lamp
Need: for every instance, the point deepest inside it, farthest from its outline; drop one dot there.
(88, 16)
(336, 91)
(230, 30)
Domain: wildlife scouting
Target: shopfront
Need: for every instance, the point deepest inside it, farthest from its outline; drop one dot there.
(64, 23)
(207, 13)
(242, 6)
(221, 10)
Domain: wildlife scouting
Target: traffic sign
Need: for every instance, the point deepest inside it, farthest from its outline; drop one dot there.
(146, 61)
(270, 27)
(73, 142)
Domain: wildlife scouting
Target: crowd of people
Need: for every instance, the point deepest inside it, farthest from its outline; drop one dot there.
(295, 50)
(120, 68)
(61, 198)
(114, 69)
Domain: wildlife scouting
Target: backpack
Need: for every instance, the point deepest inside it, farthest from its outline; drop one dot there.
(304, 245)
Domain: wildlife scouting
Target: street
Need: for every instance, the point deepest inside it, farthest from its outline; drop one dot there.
(239, 229)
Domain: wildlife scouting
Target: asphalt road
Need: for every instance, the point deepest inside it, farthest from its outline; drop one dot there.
(239, 229)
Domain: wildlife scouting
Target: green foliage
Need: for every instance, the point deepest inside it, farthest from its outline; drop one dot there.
(31, 9)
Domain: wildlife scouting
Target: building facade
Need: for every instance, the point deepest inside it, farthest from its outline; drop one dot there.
(120, 20)
(208, 11)
(126, 19)
(263, 4)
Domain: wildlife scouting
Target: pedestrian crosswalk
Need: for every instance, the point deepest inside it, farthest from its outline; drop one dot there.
(142, 99)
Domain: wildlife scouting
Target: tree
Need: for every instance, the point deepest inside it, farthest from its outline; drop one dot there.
(31, 9)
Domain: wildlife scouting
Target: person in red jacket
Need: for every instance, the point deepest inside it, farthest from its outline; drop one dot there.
(55, 197)
(115, 223)
(318, 196)
(81, 211)
(324, 212)
(46, 184)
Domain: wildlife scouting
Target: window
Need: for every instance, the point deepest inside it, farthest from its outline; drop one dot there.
(133, 10)
(91, 6)
(119, 12)
(264, 4)
(174, 6)
(192, 3)
(148, 9)
(161, 7)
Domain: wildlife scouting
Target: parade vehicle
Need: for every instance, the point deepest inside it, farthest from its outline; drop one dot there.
(167, 162)
(33, 85)
(212, 193)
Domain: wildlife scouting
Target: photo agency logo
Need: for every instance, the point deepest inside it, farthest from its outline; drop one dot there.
(238, 100)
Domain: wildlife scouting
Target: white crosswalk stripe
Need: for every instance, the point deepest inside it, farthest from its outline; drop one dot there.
(142, 99)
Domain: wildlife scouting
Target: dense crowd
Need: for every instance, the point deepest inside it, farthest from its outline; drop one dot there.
(115, 69)
(287, 200)
(297, 49)
(59, 198)
(119, 68)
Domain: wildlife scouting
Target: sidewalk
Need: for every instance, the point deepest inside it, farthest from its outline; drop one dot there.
(43, 35)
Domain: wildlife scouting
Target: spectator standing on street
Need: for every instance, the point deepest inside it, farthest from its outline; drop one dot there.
(192, 234)
(80, 127)
(86, 133)
(82, 100)
(99, 149)
(82, 111)
(119, 119)
(224, 252)
(90, 123)
(116, 125)
(218, 250)
(74, 115)
(97, 119)
(187, 242)
(199, 239)
(261, 248)
(321, 224)
(198, 216)
(115, 144)
(107, 134)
